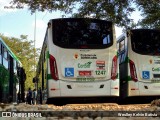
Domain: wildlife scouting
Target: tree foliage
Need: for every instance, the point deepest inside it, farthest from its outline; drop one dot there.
(118, 11)
(24, 50)
(150, 12)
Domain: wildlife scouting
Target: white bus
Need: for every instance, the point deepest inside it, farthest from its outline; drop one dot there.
(78, 60)
(139, 63)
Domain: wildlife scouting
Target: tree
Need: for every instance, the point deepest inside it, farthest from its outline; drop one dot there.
(150, 12)
(23, 49)
(118, 11)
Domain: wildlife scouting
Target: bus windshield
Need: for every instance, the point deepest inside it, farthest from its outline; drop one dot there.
(146, 41)
(82, 33)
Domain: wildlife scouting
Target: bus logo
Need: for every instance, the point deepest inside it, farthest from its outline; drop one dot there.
(150, 61)
(145, 75)
(69, 72)
(156, 69)
(85, 65)
(76, 56)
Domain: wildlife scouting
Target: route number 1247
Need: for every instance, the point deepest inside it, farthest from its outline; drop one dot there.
(100, 72)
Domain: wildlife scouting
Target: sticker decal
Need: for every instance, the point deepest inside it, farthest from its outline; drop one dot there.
(84, 56)
(85, 73)
(157, 69)
(69, 72)
(100, 64)
(156, 61)
(85, 65)
(145, 75)
(88, 56)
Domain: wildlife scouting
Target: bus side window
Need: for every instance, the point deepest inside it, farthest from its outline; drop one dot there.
(5, 54)
(5, 58)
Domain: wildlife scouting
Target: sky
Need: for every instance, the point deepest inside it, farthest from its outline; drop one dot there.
(15, 22)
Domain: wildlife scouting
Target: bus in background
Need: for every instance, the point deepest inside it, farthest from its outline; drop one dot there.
(78, 60)
(12, 76)
(139, 63)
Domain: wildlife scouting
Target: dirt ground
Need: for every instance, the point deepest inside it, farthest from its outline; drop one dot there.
(102, 111)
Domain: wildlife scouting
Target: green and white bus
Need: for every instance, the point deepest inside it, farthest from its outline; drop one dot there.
(139, 63)
(78, 60)
(11, 74)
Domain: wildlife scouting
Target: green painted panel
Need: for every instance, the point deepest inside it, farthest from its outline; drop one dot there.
(49, 76)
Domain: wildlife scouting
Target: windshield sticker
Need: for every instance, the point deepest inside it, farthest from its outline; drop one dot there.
(145, 74)
(100, 65)
(86, 65)
(69, 72)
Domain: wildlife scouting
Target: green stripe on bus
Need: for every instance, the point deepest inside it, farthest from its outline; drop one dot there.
(117, 76)
(49, 76)
(11, 53)
(117, 54)
(126, 60)
(47, 55)
(129, 78)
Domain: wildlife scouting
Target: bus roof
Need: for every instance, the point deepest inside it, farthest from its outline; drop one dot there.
(79, 19)
(10, 51)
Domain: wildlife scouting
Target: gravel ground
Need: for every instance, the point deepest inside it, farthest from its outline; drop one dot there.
(103, 111)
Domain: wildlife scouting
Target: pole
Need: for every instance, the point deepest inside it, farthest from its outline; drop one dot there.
(35, 49)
